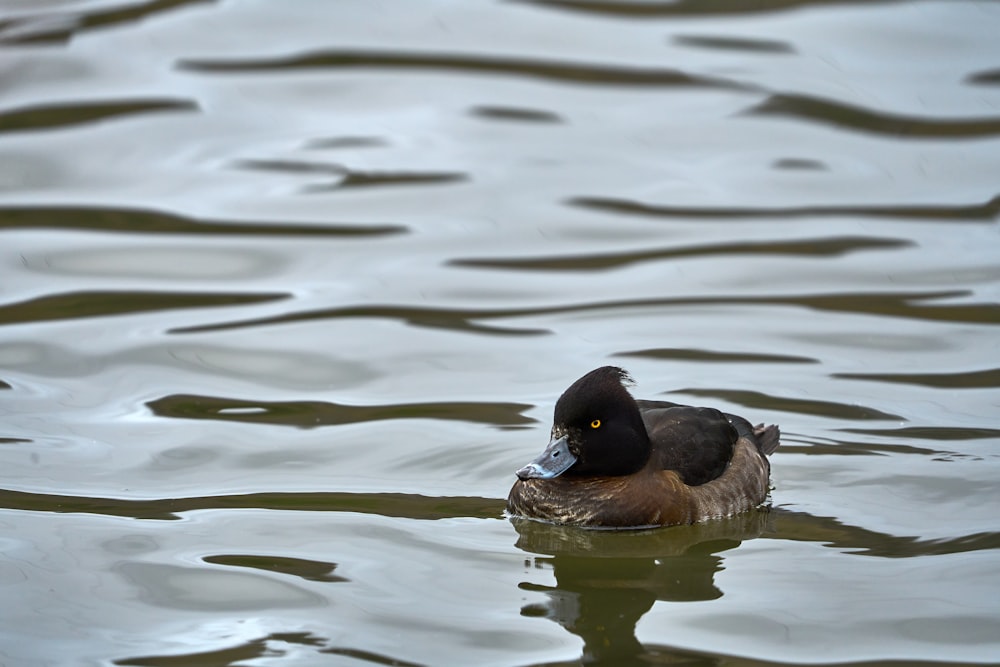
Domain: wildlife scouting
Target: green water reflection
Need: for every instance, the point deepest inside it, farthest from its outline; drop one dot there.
(607, 580)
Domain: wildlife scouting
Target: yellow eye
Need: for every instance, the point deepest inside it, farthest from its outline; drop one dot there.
(595, 424)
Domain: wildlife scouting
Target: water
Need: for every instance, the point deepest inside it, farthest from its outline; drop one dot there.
(289, 290)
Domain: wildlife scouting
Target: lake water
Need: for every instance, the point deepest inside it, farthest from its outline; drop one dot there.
(288, 291)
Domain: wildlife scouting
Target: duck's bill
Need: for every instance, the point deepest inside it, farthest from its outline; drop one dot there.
(554, 461)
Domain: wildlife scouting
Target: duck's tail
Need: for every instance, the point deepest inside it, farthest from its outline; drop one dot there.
(768, 437)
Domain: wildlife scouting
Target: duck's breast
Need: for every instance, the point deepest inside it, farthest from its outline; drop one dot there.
(648, 498)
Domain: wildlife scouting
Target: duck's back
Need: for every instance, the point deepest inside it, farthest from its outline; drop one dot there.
(697, 443)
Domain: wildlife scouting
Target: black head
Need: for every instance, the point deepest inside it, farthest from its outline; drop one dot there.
(602, 425)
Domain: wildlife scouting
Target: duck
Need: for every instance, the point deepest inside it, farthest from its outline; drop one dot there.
(614, 461)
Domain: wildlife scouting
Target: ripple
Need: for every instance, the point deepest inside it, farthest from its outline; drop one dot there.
(310, 570)
(825, 247)
(755, 399)
(984, 212)
(748, 44)
(78, 305)
(370, 657)
(990, 77)
(907, 305)
(400, 505)
(347, 178)
(942, 433)
(848, 448)
(626, 9)
(61, 26)
(352, 142)
(52, 116)
(986, 379)
(453, 319)
(270, 648)
(799, 164)
(516, 114)
(801, 526)
(813, 446)
(137, 221)
(687, 354)
(897, 126)
(310, 414)
(563, 72)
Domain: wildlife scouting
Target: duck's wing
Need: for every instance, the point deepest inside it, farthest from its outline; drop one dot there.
(697, 443)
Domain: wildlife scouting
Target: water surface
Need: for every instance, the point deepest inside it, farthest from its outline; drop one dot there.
(288, 293)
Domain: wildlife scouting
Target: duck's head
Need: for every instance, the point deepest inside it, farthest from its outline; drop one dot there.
(596, 430)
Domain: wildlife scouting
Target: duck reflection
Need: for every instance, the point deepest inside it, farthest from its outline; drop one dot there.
(606, 580)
